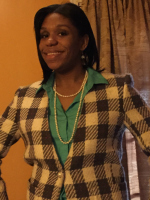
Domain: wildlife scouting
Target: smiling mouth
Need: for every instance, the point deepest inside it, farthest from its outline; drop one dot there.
(53, 53)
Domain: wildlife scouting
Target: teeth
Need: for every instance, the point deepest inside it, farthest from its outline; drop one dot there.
(54, 53)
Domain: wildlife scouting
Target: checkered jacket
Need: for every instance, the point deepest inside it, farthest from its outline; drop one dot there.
(93, 169)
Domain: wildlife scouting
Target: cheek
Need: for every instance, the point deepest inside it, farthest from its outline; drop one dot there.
(76, 53)
(74, 48)
(40, 46)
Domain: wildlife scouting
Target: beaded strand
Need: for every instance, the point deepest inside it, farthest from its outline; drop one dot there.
(77, 115)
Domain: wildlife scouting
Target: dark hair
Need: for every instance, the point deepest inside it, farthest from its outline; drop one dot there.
(79, 20)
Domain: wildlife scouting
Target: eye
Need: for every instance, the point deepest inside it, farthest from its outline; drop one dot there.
(43, 36)
(63, 33)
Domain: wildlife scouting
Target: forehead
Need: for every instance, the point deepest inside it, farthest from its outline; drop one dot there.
(55, 19)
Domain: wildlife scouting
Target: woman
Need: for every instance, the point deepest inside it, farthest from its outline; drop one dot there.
(72, 122)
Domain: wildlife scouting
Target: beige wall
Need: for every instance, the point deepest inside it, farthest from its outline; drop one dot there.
(19, 65)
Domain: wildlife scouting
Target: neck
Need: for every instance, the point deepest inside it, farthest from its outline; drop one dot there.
(71, 77)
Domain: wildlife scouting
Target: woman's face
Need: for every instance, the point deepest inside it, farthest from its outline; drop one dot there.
(60, 43)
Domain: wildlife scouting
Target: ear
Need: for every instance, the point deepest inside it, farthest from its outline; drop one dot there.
(85, 41)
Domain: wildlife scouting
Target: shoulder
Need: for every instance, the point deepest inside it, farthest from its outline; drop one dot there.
(35, 85)
(117, 79)
(29, 90)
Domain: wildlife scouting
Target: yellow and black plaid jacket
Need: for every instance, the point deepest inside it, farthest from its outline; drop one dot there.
(93, 169)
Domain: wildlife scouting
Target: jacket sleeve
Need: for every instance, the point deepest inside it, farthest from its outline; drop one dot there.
(9, 134)
(137, 115)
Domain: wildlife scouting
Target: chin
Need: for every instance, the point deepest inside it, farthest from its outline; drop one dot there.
(53, 66)
(59, 67)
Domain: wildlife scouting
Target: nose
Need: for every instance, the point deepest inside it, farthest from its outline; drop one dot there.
(51, 41)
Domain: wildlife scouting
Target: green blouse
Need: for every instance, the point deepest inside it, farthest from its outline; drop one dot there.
(66, 118)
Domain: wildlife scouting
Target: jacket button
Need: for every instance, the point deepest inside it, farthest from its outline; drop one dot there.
(59, 175)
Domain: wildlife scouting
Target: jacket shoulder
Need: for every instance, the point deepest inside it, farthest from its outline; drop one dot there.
(29, 90)
(35, 85)
(119, 79)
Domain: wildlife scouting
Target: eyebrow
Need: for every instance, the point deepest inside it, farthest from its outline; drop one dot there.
(59, 25)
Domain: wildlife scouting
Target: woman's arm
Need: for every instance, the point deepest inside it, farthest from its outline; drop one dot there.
(8, 136)
(137, 115)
